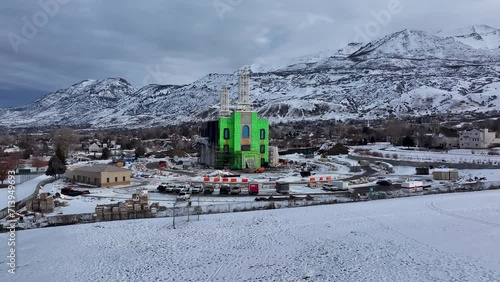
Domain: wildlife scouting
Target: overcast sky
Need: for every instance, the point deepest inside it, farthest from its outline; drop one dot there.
(179, 41)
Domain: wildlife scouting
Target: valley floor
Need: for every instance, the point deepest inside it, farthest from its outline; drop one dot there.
(452, 237)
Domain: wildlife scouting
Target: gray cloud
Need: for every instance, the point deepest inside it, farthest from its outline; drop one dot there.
(183, 40)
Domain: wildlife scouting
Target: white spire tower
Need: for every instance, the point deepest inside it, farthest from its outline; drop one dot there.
(244, 94)
(224, 102)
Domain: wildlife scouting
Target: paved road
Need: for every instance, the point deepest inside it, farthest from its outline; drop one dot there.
(182, 172)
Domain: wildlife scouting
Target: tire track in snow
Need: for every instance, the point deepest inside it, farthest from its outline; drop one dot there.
(431, 206)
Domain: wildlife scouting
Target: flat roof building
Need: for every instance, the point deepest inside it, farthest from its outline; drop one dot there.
(100, 175)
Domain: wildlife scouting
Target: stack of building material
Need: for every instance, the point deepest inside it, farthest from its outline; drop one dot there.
(137, 207)
(445, 174)
(44, 204)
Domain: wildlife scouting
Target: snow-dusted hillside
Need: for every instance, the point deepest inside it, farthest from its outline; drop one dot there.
(451, 237)
(406, 73)
(478, 36)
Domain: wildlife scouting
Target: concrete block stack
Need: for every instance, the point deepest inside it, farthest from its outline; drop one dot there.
(134, 208)
(44, 204)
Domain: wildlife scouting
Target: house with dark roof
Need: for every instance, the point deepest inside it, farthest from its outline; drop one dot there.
(100, 175)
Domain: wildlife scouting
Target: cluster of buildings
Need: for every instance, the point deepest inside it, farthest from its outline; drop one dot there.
(466, 139)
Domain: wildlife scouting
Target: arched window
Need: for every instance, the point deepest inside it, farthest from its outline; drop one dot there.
(226, 133)
(246, 131)
(262, 134)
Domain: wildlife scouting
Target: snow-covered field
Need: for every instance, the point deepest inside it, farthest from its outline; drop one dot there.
(450, 237)
(452, 156)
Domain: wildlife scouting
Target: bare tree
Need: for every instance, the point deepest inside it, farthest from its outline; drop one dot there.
(66, 138)
(37, 161)
(7, 164)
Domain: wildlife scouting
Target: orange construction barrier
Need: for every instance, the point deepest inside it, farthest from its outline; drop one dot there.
(244, 180)
(225, 179)
(216, 179)
(206, 179)
(312, 179)
(233, 180)
(328, 178)
(321, 179)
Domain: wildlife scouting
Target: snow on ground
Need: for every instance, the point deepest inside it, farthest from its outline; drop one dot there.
(404, 170)
(75, 205)
(490, 174)
(23, 190)
(452, 237)
(452, 156)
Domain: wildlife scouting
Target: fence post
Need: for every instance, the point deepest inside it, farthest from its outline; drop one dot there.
(173, 216)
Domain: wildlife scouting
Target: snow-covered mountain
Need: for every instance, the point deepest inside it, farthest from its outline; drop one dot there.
(478, 36)
(406, 73)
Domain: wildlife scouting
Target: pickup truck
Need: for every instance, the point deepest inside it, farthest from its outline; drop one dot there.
(162, 187)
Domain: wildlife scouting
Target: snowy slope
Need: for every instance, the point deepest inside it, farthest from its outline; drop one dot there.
(408, 73)
(450, 237)
(478, 36)
(79, 104)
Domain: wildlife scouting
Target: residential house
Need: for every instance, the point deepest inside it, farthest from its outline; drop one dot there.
(478, 139)
(95, 148)
(444, 141)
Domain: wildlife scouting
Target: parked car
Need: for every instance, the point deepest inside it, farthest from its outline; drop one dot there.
(170, 188)
(183, 196)
(235, 190)
(198, 188)
(178, 188)
(162, 187)
(73, 192)
(208, 189)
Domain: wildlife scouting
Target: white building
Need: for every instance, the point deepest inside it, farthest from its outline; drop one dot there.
(477, 139)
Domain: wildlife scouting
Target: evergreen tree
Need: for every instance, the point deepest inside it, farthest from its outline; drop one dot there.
(408, 142)
(106, 153)
(60, 154)
(56, 167)
(140, 151)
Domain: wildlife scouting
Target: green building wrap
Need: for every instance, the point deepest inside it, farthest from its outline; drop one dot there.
(243, 141)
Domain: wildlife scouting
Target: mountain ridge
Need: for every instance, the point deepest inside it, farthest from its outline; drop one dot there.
(407, 73)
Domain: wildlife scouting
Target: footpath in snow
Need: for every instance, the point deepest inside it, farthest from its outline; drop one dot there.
(23, 190)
